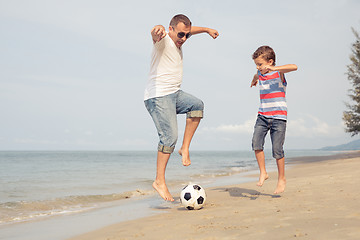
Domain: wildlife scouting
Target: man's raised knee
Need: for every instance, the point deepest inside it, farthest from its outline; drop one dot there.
(165, 149)
(195, 114)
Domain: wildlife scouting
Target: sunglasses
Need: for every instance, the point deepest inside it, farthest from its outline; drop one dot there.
(182, 34)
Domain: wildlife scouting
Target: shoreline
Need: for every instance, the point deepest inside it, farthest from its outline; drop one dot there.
(104, 213)
(319, 202)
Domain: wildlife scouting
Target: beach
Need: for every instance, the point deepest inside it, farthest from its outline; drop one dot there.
(321, 201)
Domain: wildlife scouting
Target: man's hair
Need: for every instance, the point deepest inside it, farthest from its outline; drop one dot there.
(265, 52)
(180, 18)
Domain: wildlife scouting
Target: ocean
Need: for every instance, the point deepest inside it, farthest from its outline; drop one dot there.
(59, 194)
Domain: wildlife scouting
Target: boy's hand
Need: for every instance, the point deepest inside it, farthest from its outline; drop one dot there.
(213, 33)
(269, 68)
(158, 32)
(254, 81)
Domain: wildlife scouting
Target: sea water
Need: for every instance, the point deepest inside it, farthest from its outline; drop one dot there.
(44, 189)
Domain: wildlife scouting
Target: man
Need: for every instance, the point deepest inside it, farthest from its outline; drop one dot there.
(164, 99)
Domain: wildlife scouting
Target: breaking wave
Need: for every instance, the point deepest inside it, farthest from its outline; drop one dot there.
(20, 211)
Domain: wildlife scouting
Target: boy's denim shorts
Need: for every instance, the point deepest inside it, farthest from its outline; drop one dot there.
(277, 129)
(163, 111)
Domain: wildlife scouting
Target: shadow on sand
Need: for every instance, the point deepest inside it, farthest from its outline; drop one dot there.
(246, 193)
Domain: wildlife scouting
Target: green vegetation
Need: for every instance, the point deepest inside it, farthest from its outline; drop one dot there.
(352, 116)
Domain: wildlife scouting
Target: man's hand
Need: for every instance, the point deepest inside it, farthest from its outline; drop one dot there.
(213, 33)
(158, 32)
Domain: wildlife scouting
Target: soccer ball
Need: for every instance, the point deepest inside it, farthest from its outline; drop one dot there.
(193, 196)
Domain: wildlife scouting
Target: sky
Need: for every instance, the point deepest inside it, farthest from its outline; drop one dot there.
(73, 73)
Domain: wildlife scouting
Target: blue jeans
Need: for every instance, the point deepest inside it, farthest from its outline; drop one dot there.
(277, 129)
(163, 111)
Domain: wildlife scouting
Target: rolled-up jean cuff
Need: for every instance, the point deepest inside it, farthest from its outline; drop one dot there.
(193, 114)
(165, 149)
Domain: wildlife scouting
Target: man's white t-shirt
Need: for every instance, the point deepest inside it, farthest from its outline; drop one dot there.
(166, 69)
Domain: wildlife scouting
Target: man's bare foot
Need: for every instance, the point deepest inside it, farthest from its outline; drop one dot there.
(280, 186)
(262, 179)
(163, 191)
(185, 157)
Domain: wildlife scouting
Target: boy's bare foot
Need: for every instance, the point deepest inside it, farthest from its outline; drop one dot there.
(280, 186)
(185, 157)
(163, 191)
(262, 179)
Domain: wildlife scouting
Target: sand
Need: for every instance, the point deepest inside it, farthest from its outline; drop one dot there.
(321, 201)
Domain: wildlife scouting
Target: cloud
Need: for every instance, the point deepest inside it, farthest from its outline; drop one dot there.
(33, 142)
(88, 133)
(310, 126)
(307, 126)
(246, 127)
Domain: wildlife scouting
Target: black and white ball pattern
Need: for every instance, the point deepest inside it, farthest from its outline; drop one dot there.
(193, 196)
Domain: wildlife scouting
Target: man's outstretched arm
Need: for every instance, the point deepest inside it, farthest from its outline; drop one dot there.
(157, 33)
(212, 32)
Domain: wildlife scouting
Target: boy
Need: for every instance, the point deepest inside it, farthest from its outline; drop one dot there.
(272, 113)
(163, 97)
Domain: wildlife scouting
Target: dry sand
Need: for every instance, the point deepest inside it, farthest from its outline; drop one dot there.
(321, 201)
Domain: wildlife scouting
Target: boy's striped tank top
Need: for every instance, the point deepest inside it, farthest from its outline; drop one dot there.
(272, 95)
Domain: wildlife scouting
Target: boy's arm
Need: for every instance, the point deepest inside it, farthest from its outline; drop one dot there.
(158, 32)
(212, 32)
(282, 69)
(255, 80)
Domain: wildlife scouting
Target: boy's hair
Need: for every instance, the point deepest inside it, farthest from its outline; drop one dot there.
(265, 52)
(180, 18)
